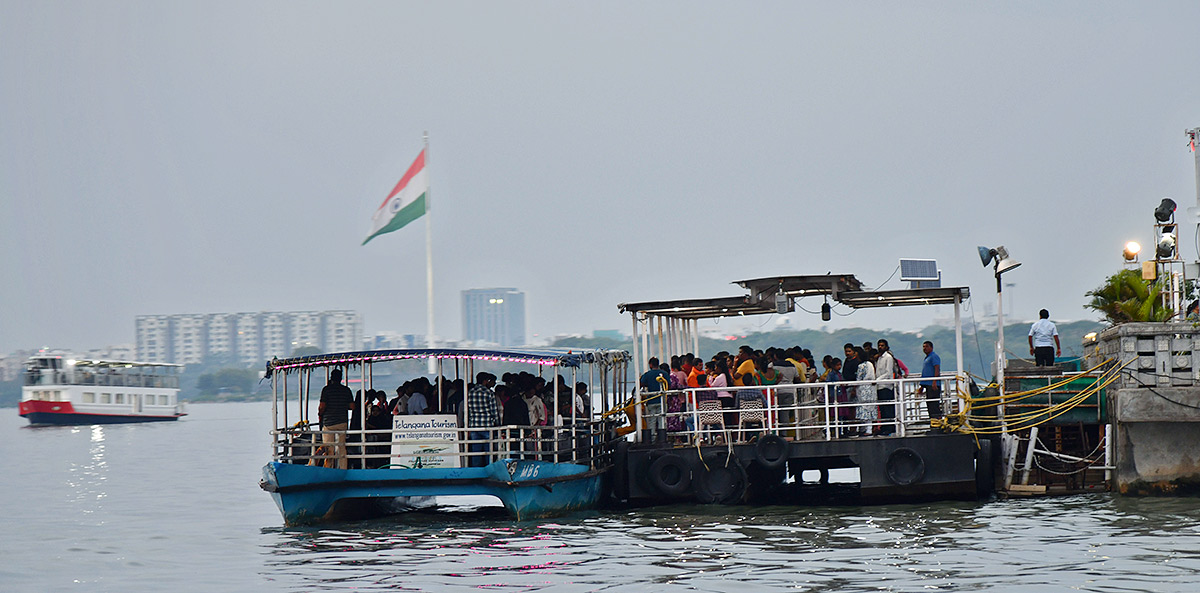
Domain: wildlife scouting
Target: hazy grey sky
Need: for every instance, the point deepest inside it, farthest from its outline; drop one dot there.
(195, 157)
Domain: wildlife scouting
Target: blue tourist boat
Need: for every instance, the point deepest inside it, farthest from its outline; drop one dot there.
(390, 463)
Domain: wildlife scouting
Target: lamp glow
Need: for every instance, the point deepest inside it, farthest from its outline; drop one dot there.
(1132, 249)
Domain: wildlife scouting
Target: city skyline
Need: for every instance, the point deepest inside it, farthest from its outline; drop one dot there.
(248, 338)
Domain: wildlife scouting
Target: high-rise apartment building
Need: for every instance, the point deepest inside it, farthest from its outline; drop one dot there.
(246, 338)
(494, 316)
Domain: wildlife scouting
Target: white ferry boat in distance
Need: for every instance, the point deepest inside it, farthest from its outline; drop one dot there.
(60, 390)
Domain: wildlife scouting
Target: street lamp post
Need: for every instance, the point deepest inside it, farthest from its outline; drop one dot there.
(1001, 263)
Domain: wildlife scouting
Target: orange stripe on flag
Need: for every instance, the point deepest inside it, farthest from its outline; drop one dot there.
(413, 169)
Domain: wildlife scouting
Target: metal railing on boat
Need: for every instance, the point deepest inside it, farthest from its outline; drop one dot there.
(803, 411)
(585, 442)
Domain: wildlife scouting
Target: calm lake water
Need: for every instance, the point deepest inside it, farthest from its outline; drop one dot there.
(176, 506)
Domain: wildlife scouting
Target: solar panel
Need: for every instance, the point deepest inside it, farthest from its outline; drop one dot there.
(914, 270)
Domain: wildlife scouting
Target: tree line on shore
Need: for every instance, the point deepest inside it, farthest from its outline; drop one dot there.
(225, 380)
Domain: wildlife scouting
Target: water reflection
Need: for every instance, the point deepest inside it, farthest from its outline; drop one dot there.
(1091, 543)
(85, 480)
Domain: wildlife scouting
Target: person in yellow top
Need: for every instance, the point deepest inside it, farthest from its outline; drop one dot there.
(745, 366)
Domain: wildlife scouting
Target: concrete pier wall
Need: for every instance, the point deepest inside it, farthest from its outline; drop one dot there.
(1154, 407)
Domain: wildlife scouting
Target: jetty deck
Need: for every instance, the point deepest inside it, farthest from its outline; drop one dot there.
(786, 449)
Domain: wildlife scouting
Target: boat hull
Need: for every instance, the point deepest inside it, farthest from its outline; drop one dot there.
(527, 488)
(41, 413)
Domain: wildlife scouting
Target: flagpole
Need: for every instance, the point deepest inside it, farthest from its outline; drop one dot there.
(429, 259)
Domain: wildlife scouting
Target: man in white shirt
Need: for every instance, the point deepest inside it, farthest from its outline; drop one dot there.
(417, 404)
(885, 368)
(1043, 340)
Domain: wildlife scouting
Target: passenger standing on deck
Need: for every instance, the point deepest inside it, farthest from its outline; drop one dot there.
(843, 412)
(482, 413)
(786, 396)
(334, 412)
(400, 403)
(867, 412)
(885, 368)
(850, 373)
(654, 404)
(743, 364)
(417, 402)
(516, 413)
(679, 378)
(1043, 340)
(932, 389)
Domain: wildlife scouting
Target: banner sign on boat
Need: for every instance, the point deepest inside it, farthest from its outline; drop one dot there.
(425, 441)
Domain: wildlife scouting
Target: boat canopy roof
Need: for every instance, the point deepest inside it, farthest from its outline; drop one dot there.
(844, 288)
(102, 364)
(564, 357)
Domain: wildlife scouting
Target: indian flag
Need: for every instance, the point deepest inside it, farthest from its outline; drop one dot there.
(405, 204)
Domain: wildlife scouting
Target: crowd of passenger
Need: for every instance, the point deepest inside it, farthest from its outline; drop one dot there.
(863, 407)
(523, 399)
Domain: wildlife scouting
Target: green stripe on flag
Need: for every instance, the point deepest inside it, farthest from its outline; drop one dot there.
(406, 215)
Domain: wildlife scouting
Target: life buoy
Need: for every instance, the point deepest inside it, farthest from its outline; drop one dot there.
(771, 451)
(905, 466)
(671, 475)
(721, 480)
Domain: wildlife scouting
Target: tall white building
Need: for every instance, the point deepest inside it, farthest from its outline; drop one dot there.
(153, 338)
(494, 316)
(246, 338)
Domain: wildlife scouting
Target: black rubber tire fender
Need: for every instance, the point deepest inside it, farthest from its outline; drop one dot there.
(671, 475)
(905, 466)
(723, 481)
(771, 451)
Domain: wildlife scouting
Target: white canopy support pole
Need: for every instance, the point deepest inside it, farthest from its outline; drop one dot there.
(661, 348)
(308, 407)
(672, 339)
(285, 414)
(639, 359)
(275, 408)
(958, 342)
(696, 337)
(364, 371)
(637, 342)
(441, 370)
(555, 415)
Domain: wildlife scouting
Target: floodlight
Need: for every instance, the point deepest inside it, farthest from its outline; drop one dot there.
(1165, 210)
(1166, 243)
(998, 256)
(1132, 249)
(1006, 264)
(985, 255)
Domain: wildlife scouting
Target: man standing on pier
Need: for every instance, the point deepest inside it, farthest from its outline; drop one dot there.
(932, 388)
(1043, 340)
(334, 411)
